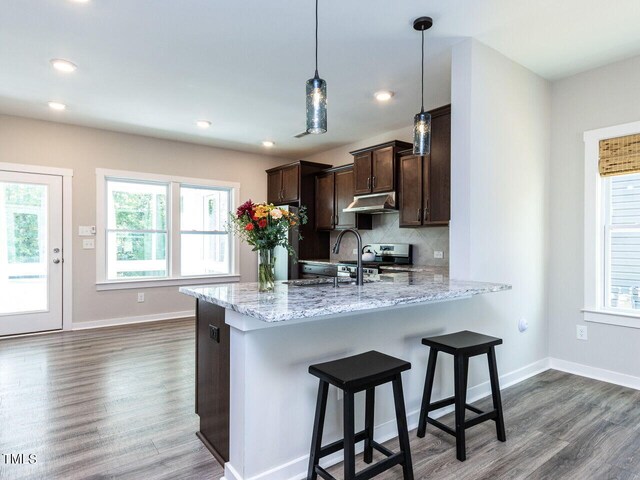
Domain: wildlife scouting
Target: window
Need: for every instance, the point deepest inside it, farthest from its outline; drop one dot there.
(622, 241)
(153, 228)
(612, 225)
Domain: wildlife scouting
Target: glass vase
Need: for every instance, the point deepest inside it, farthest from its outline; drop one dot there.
(266, 270)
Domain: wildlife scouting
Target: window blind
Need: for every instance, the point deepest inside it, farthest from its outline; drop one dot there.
(619, 156)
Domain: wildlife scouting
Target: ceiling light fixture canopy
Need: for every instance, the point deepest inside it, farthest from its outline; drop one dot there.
(316, 97)
(422, 121)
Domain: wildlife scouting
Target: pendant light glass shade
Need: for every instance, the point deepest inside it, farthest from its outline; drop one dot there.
(422, 134)
(316, 105)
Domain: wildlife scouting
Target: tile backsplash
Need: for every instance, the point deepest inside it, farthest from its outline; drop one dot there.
(425, 240)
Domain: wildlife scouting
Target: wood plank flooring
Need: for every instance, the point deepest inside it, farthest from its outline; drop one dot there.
(118, 403)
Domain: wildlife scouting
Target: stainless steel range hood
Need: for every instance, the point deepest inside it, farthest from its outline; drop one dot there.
(375, 203)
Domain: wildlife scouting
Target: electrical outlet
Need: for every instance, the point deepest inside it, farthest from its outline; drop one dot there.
(140, 297)
(523, 325)
(438, 254)
(581, 332)
(88, 243)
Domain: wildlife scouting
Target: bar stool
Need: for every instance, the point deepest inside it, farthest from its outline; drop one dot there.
(354, 374)
(462, 345)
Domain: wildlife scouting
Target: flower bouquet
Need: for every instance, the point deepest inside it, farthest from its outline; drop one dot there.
(265, 227)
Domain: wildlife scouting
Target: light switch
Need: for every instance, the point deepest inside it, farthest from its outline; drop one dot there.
(86, 231)
(438, 254)
(88, 243)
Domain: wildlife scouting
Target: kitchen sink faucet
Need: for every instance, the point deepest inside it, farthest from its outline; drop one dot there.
(336, 250)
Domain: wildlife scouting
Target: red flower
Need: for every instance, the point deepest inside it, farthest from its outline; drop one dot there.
(246, 207)
(262, 223)
(249, 227)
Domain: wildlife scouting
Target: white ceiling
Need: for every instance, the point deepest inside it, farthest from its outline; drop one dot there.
(155, 66)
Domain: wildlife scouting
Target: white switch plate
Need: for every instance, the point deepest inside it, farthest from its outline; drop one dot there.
(581, 332)
(438, 254)
(140, 297)
(88, 243)
(86, 231)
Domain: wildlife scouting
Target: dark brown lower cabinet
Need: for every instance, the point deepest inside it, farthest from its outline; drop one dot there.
(212, 378)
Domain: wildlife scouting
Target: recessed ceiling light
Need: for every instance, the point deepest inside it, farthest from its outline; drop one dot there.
(62, 65)
(80, 1)
(203, 124)
(57, 106)
(268, 143)
(383, 95)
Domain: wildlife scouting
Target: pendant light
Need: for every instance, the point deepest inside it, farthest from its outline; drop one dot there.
(422, 121)
(316, 97)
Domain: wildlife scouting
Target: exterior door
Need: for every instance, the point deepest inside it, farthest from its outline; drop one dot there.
(30, 253)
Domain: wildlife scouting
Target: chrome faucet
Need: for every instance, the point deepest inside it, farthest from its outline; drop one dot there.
(336, 250)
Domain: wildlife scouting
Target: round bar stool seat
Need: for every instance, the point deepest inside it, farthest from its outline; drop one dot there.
(462, 345)
(354, 374)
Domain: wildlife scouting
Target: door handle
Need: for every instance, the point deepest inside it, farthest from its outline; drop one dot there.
(56, 261)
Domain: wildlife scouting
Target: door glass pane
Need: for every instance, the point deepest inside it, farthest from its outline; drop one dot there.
(136, 254)
(205, 254)
(23, 248)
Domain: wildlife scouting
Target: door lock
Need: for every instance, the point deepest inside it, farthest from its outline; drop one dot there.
(56, 261)
(56, 250)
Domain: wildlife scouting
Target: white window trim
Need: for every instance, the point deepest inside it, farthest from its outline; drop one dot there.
(594, 213)
(102, 283)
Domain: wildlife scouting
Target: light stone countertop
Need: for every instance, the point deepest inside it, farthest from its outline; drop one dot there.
(319, 297)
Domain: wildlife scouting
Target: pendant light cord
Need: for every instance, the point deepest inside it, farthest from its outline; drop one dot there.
(316, 38)
(422, 92)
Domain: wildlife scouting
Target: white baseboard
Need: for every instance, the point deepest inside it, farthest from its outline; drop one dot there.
(609, 376)
(297, 468)
(112, 322)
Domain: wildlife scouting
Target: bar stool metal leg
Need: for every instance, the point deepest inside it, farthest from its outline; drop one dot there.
(403, 431)
(495, 393)
(349, 437)
(461, 367)
(318, 427)
(428, 389)
(368, 424)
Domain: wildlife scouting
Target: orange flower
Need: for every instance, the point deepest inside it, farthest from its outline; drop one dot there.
(262, 223)
(249, 227)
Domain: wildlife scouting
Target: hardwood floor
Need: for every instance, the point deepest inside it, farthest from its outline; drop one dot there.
(106, 403)
(118, 403)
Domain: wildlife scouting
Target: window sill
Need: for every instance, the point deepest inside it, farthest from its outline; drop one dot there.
(612, 317)
(165, 282)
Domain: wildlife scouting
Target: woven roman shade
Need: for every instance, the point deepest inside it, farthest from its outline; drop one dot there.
(619, 156)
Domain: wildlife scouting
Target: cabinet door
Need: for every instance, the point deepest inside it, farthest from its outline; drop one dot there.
(362, 173)
(324, 201)
(383, 174)
(343, 197)
(437, 191)
(410, 201)
(290, 183)
(274, 186)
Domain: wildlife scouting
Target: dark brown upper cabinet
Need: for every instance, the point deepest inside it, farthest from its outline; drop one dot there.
(374, 168)
(334, 193)
(284, 182)
(425, 182)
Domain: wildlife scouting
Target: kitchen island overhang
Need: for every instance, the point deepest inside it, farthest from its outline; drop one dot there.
(271, 396)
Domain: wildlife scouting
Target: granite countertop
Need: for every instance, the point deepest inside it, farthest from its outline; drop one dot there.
(318, 297)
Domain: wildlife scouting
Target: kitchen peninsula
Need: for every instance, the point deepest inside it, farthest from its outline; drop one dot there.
(254, 395)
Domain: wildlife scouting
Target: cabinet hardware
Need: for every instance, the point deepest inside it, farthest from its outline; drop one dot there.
(374, 182)
(418, 215)
(337, 218)
(368, 183)
(426, 214)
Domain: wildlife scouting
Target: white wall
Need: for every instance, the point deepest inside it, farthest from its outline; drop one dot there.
(83, 149)
(598, 98)
(500, 163)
